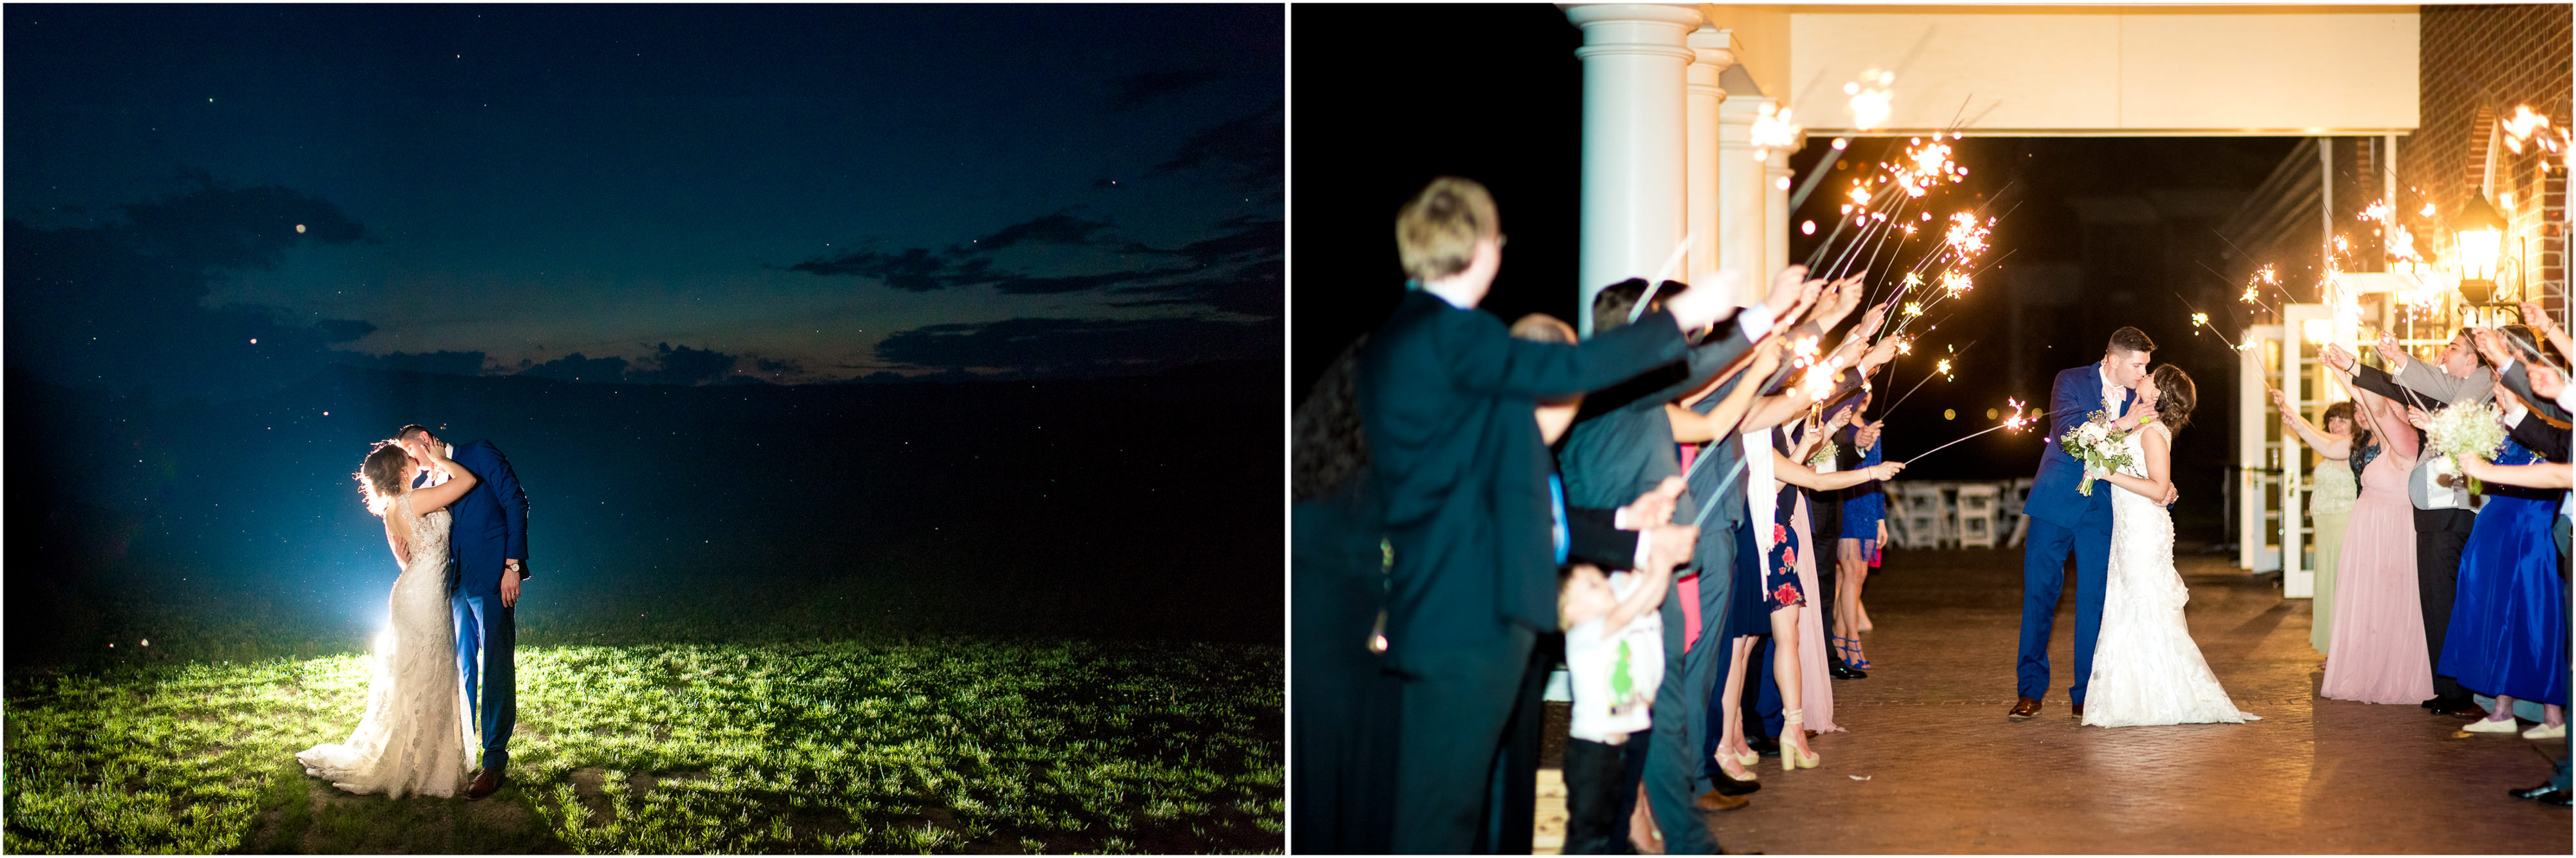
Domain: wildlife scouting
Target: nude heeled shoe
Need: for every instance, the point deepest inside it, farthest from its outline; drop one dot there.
(1794, 723)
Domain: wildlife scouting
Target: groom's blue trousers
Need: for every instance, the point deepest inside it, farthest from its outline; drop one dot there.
(2043, 581)
(487, 635)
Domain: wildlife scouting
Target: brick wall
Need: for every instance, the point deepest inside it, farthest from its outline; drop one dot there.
(2476, 63)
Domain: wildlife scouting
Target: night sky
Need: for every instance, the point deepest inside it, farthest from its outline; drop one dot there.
(1519, 131)
(675, 194)
(673, 262)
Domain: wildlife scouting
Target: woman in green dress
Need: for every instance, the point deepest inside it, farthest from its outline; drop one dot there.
(2330, 502)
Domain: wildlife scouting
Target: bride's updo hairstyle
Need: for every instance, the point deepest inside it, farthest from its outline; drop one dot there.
(381, 477)
(2175, 396)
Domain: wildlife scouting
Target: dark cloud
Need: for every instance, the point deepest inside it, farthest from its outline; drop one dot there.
(668, 364)
(1136, 89)
(1237, 271)
(683, 365)
(1250, 152)
(1079, 347)
(441, 362)
(921, 269)
(576, 367)
(1058, 228)
(1254, 291)
(121, 304)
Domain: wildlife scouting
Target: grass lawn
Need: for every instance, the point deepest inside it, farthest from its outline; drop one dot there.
(962, 745)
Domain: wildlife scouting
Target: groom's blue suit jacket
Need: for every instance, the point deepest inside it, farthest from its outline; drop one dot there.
(491, 521)
(2053, 498)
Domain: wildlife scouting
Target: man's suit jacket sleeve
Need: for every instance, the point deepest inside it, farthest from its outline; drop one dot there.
(495, 469)
(1593, 536)
(1484, 358)
(2070, 404)
(2444, 387)
(2538, 436)
(2377, 381)
(2517, 378)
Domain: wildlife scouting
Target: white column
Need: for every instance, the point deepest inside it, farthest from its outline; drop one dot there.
(1714, 48)
(1742, 241)
(1634, 56)
(1775, 212)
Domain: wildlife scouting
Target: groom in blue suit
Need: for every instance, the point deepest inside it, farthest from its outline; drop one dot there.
(2064, 520)
(490, 537)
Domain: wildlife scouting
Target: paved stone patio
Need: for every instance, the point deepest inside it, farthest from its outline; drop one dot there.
(1947, 773)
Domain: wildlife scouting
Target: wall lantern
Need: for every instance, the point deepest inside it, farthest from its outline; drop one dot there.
(2479, 233)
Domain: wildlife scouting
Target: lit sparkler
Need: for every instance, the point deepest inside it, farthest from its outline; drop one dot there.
(1773, 129)
(2015, 422)
(1869, 98)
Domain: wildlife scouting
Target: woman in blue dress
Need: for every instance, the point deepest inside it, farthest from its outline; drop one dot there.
(1864, 507)
(2509, 621)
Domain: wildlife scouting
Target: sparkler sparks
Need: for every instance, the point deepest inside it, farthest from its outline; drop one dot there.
(1967, 237)
(1773, 129)
(1870, 103)
(1955, 282)
(2018, 421)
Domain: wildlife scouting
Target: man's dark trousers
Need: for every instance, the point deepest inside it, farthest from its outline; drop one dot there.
(2440, 535)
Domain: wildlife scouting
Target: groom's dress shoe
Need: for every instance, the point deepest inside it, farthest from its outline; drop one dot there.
(2023, 709)
(484, 784)
(2079, 712)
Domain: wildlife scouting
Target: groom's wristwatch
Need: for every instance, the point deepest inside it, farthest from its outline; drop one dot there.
(513, 566)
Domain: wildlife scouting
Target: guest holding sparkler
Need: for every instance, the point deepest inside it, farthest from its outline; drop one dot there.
(1446, 397)
(2508, 624)
(2374, 653)
(2338, 483)
(2547, 384)
(1623, 443)
(2443, 515)
(1864, 521)
(1788, 577)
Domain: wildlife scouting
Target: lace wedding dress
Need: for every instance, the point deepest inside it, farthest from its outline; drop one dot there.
(412, 740)
(2146, 669)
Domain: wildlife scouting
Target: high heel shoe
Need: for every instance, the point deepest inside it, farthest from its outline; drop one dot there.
(1791, 758)
(1743, 772)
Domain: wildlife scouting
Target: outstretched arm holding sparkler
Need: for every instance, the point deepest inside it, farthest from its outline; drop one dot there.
(2538, 320)
(1691, 427)
(2328, 444)
(1797, 473)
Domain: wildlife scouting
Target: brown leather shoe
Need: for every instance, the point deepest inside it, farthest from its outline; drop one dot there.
(484, 784)
(1714, 800)
(2079, 712)
(2023, 709)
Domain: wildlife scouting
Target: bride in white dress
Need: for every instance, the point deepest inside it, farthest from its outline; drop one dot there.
(2146, 669)
(412, 740)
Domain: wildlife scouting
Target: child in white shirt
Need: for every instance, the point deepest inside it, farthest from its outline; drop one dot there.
(1614, 655)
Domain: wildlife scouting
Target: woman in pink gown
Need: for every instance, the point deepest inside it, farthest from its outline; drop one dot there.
(2375, 649)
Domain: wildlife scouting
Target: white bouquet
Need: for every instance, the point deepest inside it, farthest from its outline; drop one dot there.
(2465, 429)
(2099, 445)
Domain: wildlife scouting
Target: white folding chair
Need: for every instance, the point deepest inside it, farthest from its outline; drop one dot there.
(1922, 511)
(2019, 499)
(1978, 505)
